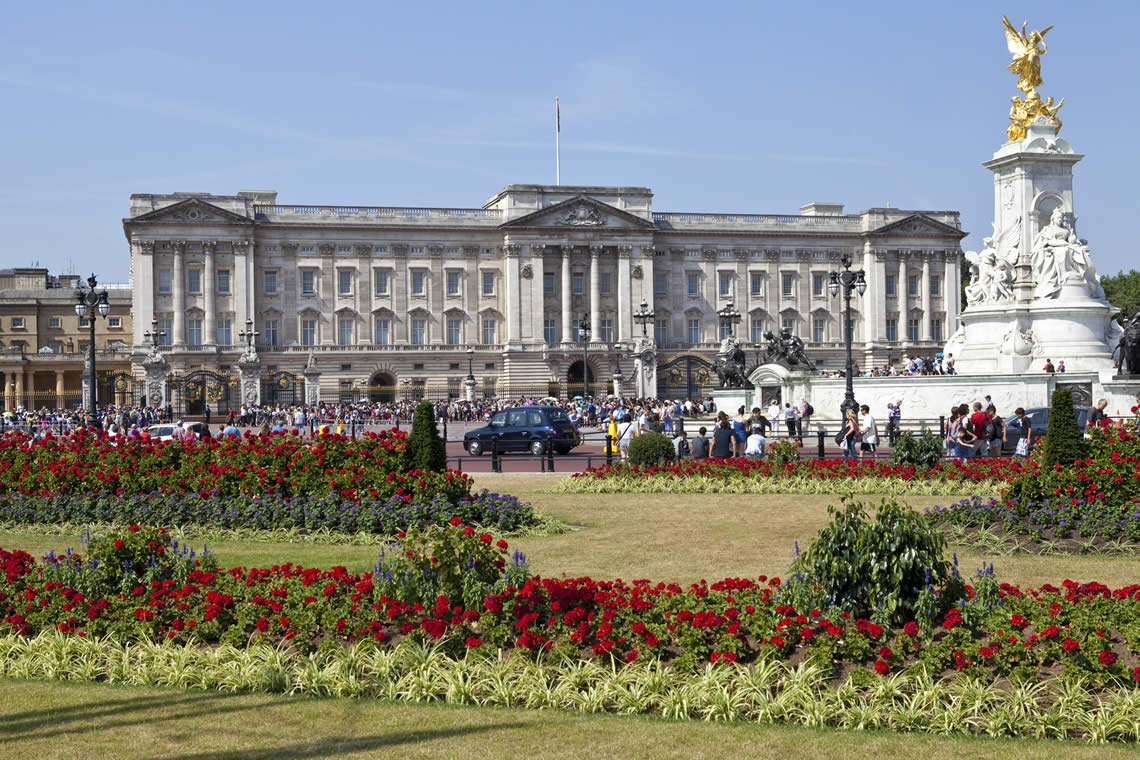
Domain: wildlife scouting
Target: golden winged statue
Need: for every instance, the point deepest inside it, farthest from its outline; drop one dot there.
(1026, 50)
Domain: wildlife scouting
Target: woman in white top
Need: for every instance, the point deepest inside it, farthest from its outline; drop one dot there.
(869, 429)
(626, 430)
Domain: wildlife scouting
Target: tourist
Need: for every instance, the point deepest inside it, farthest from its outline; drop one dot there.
(1024, 435)
(995, 430)
(700, 444)
(681, 446)
(611, 435)
(790, 419)
(1096, 414)
(952, 428)
(849, 434)
(978, 421)
(869, 430)
(754, 449)
(774, 411)
(1061, 366)
(626, 432)
(740, 432)
(723, 439)
(966, 434)
(806, 411)
(1049, 366)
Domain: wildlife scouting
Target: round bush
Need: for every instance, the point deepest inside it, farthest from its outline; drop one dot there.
(649, 449)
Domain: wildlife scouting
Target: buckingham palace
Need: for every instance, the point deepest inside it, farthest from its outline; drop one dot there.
(542, 290)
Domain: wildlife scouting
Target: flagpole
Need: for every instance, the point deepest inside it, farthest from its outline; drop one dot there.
(557, 144)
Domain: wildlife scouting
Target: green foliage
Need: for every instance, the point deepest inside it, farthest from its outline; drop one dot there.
(426, 448)
(784, 451)
(923, 451)
(877, 567)
(649, 449)
(1123, 290)
(453, 561)
(1064, 443)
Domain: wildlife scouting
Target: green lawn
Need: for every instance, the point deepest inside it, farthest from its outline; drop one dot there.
(662, 537)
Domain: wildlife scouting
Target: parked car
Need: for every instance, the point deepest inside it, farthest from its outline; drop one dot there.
(524, 428)
(1038, 422)
(165, 432)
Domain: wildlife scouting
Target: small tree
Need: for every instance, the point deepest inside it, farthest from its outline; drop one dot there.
(650, 449)
(1064, 443)
(426, 449)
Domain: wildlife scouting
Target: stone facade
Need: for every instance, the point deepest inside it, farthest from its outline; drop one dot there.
(43, 346)
(387, 300)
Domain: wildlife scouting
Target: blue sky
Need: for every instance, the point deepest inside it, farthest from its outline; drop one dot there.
(743, 107)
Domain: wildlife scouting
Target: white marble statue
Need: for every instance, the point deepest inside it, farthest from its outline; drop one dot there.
(991, 269)
(1059, 257)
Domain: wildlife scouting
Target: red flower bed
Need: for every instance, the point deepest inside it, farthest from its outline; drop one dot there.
(1025, 632)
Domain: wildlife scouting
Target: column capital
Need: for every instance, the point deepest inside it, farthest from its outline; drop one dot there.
(624, 251)
(470, 251)
(435, 250)
(287, 248)
(363, 249)
(240, 247)
(649, 250)
(326, 249)
(596, 250)
(144, 247)
(511, 249)
(208, 246)
(178, 246)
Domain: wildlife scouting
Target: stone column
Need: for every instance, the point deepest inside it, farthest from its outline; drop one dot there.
(437, 294)
(244, 308)
(513, 302)
(469, 390)
(399, 288)
(142, 283)
(567, 319)
(924, 331)
(209, 290)
(9, 394)
(623, 325)
(59, 389)
(178, 292)
(326, 295)
(312, 377)
(595, 294)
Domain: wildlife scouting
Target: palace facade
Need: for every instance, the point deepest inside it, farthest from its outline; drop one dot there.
(387, 303)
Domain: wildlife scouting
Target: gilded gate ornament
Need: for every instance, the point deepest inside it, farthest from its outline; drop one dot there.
(1027, 49)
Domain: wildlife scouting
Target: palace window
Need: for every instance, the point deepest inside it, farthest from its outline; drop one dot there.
(270, 330)
(756, 283)
(818, 329)
(17, 323)
(660, 284)
(607, 331)
(114, 323)
(194, 332)
(489, 326)
(936, 285)
(308, 283)
(605, 283)
(694, 330)
(308, 332)
(725, 281)
(418, 283)
(789, 324)
(818, 284)
(453, 327)
(891, 285)
(383, 335)
(578, 283)
(344, 331)
(223, 282)
(193, 280)
(55, 323)
(912, 282)
(165, 332)
(936, 330)
(548, 283)
(661, 331)
(892, 329)
(757, 330)
(453, 282)
(550, 331)
(419, 331)
(488, 283)
(693, 284)
(225, 332)
(344, 282)
(381, 277)
(270, 282)
(163, 281)
(787, 284)
(912, 330)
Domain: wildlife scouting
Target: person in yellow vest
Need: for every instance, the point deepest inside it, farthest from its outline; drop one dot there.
(611, 436)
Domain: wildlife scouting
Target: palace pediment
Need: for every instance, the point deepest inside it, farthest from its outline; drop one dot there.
(581, 212)
(193, 211)
(918, 224)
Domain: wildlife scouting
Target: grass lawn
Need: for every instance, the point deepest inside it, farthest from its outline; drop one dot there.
(60, 720)
(661, 537)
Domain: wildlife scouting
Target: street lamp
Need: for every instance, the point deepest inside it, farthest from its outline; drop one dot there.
(89, 301)
(729, 318)
(644, 317)
(848, 280)
(470, 358)
(584, 334)
(154, 336)
(248, 334)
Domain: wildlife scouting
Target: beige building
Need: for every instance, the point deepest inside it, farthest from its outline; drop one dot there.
(387, 301)
(43, 344)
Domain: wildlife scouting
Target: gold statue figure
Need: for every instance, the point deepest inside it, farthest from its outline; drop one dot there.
(1023, 112)
(1026, 50)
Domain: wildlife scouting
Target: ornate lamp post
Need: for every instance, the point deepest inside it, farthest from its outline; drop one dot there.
(87, 302)
(470, 381)
(644, 317)
(248, 334)
(848, 280)
(154, 336)
(584, 334)
(729, 317)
